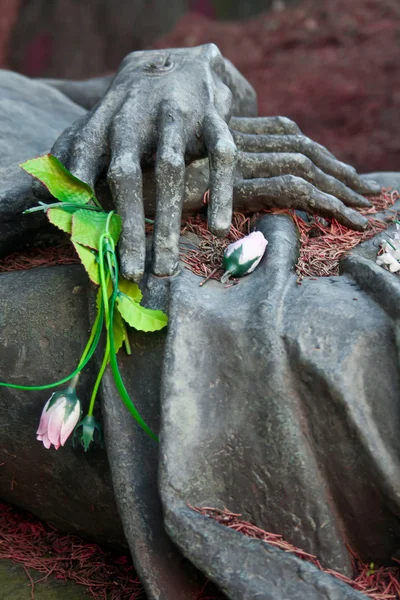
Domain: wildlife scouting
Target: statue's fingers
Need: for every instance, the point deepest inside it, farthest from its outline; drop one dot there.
(288, 191)
(255, 165)
(62, 146)
(267, 126)
(222, 157)
(88, 152)
(170, 183)
(125, 181)
(317, 153)
(264, 125)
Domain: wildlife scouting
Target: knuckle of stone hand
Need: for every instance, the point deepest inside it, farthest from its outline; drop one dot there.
(213, 51)
(83, 137)
(170, 113)
(304, 163)
(225, 152)
(171, 161)
(289, 125)
(308, 145)
(122, 167)
(225, 97)
(298, 186)
(220, 227)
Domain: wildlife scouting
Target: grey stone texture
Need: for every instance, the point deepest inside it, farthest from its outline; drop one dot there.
(277, 400)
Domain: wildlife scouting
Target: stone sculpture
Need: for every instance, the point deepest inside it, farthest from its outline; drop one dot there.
(276, 400)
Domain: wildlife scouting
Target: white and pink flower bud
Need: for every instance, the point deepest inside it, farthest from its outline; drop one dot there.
(390, 259)
(243, 256)
(59, 417)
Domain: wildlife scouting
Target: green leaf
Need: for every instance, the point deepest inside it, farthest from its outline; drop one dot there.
(118, 330)
(58, 180)
(89, 261)
(140, 317)
(118, 325)
(130, 289)
(88, 226)
(60, 218)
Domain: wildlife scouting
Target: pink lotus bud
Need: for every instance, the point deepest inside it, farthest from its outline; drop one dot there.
(243, 256)
(59, 417)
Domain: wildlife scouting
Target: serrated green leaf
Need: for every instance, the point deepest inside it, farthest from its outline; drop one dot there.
(130, 289)
(139, 317)
(118, 324)
(89, 261)
(88, 226)
(60, 218)
(58, 180)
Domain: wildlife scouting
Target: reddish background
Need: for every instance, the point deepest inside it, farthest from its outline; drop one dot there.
(331, 65)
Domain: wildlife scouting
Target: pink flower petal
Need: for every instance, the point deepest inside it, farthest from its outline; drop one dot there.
(69, 425)
(44, 419)
(39, 437)
(233, 247)
(253, 246)
(46, 441)
(55, 423)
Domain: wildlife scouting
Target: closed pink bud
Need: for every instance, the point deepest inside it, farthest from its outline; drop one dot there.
(59, 417)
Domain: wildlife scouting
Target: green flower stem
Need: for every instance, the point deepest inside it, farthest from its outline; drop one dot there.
(97, 203)
(127, 345)
(110, 255)
(91, 338)
(120, 384)
(391, 245)
(74, 383)
(99, 378)
(61, 205)
(103, 279)
(81, 365)
(113, 357)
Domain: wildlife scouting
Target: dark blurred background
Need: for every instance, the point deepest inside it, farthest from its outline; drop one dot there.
(331, 65)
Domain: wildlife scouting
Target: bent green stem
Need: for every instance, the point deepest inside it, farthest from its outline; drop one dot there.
(61, 205)
(120, 384)
(91, 338)
(88, 353)
(127, 344)
(99, 378)
(113, 266)
(97, 203)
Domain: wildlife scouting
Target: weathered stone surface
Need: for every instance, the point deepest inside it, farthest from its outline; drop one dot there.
(276, 426)
(278, 401)
(39, 114)
(44, 327)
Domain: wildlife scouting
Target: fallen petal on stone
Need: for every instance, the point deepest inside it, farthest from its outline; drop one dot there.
(394, 267)
(387, 258)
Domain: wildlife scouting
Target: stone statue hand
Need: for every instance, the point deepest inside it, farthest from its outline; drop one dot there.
(170, 106)
(278, 167)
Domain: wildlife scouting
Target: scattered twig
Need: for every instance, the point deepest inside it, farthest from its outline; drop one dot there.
(208, 277)
(323, 242)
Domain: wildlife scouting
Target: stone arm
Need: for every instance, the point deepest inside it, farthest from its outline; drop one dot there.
(86, 93)
(169, 107)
